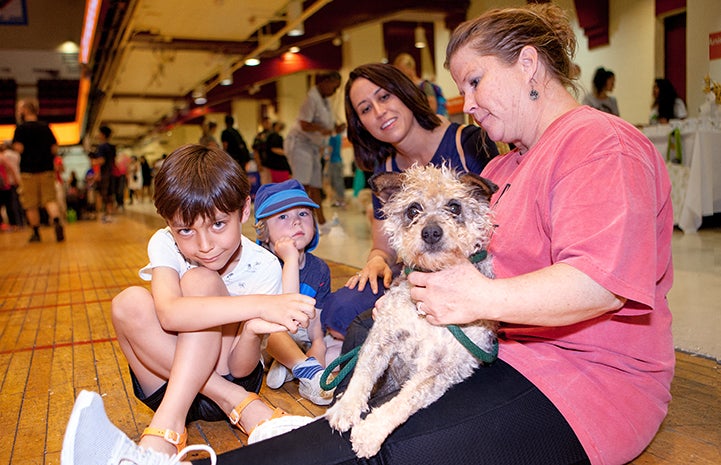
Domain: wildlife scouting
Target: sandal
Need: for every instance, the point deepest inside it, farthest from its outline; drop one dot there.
(237, 411)
(179, 440)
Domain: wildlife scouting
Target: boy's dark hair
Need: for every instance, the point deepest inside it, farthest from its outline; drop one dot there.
(195, 180)
(106, 131)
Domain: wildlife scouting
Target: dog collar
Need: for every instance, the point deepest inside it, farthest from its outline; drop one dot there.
(474, 258)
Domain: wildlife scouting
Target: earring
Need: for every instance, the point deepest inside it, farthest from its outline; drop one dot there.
(533, 95)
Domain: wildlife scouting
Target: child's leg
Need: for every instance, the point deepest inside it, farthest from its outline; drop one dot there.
(151, 353)
(141, 338)
(306, 368)
(283, 348)
(317, 346)
(225, 394)
(186, 360)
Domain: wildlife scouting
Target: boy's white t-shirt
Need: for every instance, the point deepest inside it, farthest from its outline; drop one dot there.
(258, 271)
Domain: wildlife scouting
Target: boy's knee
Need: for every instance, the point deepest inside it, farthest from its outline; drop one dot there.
(131, 306)
(201, 281)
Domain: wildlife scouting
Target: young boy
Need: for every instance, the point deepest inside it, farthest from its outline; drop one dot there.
(286, 225)
(193, 342)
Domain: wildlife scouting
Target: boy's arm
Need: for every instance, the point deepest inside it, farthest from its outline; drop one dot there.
(180, 313)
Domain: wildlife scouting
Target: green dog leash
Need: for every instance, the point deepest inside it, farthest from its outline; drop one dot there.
(352, 356)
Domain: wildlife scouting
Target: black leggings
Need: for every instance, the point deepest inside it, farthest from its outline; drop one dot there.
(494, 417)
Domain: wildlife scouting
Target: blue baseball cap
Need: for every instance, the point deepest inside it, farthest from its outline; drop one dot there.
(278, 197)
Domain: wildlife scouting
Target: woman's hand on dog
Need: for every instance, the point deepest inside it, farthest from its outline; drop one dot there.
(375, 267)
(448, 296)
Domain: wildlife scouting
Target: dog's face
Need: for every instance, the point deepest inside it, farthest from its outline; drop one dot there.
(435, 217)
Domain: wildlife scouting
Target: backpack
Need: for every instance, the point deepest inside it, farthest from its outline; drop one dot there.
(442, 102)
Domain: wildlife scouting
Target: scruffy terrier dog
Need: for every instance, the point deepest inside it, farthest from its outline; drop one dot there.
(435, 218)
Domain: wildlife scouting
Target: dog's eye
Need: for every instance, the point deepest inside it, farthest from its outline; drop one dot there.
(454, 207)
(413, 210)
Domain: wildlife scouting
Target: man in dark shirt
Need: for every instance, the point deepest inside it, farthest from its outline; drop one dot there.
(37, 146)
(233, 143)
(105, 157)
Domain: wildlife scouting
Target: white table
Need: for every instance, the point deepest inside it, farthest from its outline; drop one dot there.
(696, 190)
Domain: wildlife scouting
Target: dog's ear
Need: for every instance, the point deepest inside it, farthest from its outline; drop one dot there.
(482, 187)
(385, 184)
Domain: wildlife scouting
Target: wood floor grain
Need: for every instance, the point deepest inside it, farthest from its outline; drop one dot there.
(56, 338)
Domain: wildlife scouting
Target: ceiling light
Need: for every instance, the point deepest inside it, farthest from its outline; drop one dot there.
(92, 10)
(420, 35)
(226, 78)
(293, 12)
(294, 49)
(199, 96)
(252, 61)
(68, 47)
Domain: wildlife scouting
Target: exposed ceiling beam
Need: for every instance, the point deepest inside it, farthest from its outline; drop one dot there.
(149, 41)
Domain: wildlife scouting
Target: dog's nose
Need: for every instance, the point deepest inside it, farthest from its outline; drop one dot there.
(432, 233)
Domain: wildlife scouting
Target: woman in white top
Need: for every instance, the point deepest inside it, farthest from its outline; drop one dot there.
(667, 105)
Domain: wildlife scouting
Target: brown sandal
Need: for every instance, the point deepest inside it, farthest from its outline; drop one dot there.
(179, 440)
(237, 411)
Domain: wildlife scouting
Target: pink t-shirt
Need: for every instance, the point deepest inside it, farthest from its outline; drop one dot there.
(593, 193)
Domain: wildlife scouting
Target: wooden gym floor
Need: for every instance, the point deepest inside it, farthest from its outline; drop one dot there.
(56, 338)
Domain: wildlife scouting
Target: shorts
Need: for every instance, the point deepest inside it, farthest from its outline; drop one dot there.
(304, 159)
(38, 189)
(279, 176)
(202, 407)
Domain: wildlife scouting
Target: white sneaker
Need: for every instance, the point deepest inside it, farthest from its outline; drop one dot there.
(278, 375)
(91, 439)
(311, 390)
(277, 426)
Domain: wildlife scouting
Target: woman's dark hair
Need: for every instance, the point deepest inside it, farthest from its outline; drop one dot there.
(600, 78)
(195, 180)
(666, 99)
(504, 32)
(369, 151)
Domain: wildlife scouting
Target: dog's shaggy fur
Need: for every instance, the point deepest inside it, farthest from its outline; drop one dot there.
(435, 218)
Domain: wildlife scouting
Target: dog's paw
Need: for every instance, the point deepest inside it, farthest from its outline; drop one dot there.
(342, 416)
(366, 439)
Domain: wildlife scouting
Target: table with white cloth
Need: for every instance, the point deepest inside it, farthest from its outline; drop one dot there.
(696, 182)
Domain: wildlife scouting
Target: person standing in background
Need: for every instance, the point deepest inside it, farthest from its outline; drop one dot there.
(134, 178)
(120, 174)
(208, 137)
(234, 144)
(10, 160)
(603, 82)
(104, 158)
(260, 150)
(147, 173)
(59, 167)
(276, 162)
(407, 65)
(335, 170)
(37, 146)
(306, 139)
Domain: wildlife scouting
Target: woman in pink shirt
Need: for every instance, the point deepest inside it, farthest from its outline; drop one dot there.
(582, 256)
